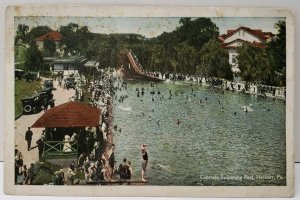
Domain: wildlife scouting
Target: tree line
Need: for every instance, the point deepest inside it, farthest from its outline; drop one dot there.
(192, 48)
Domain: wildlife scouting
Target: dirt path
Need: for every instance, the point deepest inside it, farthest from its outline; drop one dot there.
(61, 96)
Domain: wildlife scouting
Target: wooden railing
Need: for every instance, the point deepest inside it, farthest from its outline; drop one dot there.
(60, 148)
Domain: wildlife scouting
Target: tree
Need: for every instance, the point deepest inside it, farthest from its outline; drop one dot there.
(186, 57)
(34, 58)
(157, 57)
(69, 37)
(185, 21)
(277, 48)
(36, 32)
(178, 50)
(256, 64)
(22, 30)
(49, 47)
(214, 61)
(196, 32)
(99, 49)
(75, 38)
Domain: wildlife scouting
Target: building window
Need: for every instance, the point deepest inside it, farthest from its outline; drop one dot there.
(234, 60)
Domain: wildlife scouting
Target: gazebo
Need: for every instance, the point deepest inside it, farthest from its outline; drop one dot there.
(65, 120)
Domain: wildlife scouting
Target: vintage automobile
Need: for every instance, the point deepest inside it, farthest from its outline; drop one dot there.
(36, 103)
(19, 73)
(45, 94)
(31, 104)
(70, 82)
(31, 76)
(48, 83)
(47, 90)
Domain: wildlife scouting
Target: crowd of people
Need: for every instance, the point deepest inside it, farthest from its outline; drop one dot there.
(96, 160)
(23, 175)
(96, 170)
(239, 86)
(104, 167)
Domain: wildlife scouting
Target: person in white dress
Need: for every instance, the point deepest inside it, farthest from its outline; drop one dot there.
(67, 145)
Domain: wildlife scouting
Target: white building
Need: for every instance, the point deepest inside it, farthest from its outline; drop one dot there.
(68, 65)
(235, 38)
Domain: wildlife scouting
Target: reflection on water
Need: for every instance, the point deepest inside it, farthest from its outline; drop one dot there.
(211, 145)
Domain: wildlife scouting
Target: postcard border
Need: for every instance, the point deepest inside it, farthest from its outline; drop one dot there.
(145, 11)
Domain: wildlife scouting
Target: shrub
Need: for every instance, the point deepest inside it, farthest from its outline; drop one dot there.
(44, 172)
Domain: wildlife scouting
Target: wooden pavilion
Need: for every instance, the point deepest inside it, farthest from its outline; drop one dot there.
(65, 120)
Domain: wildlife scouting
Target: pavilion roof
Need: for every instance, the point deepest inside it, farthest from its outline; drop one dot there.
(70, 114)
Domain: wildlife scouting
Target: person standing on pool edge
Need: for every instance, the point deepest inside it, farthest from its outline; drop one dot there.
(145, 161)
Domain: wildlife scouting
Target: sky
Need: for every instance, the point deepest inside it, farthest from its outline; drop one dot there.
(146, 26)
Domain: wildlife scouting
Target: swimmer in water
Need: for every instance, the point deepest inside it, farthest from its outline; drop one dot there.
(177, 122)
(158, 123)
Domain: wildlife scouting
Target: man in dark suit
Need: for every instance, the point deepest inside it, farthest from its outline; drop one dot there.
(40, 144)
(28, 138)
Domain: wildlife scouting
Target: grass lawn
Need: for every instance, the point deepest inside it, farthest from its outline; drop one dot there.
(20, 54)
(24, 89)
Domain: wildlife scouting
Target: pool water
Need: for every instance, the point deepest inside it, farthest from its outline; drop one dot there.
(211, 145)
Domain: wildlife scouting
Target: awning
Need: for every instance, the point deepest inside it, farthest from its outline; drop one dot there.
(70, 114)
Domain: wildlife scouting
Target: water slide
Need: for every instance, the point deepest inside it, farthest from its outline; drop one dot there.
(135, 70)
(134, 63)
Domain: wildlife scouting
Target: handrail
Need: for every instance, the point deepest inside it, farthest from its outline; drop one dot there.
(53, 141)
(51, 147)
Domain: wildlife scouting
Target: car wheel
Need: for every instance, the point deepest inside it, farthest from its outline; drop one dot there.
(27, 108)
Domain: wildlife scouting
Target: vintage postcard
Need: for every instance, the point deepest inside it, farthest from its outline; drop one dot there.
(149, 101)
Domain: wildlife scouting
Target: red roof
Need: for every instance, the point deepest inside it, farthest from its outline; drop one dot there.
(52, 35)
(230, 31)
(70, 114)
(257, 32)
(256, 44)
